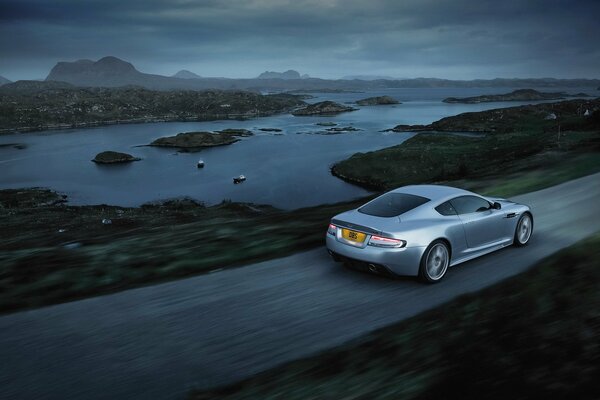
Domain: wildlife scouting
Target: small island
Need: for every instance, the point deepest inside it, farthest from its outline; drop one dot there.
(377, 101)
(197, 140)
(323, 108)
(114, 157)
(516, 95)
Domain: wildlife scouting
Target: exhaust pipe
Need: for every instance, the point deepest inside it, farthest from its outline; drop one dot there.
(373, 268)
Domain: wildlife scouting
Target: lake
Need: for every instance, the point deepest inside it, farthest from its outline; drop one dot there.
(288, 170)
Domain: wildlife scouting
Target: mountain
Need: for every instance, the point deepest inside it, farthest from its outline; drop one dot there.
(113, 72)
(289, 74)
(3, 81)
(185, 74)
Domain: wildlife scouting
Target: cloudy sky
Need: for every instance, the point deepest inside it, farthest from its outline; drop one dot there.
(456, 39)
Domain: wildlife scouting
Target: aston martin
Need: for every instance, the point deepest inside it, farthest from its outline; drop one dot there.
(422, 230)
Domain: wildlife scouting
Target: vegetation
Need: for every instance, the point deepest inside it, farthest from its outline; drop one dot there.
(27, 105)
(379, 100)
(518, 139)
(532, 336)
(199, 140)
(322, 108)
(516, 95)
(114, 157)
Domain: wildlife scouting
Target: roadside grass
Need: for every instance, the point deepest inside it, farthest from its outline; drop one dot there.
(532, 336)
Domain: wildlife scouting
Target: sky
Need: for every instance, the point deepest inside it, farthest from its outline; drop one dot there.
(456, 39)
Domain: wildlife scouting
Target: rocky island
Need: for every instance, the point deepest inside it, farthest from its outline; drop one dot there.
(377, 101)
(114, 157)
(501, 119)
(323, 108)
(191, 141)
(516, 95)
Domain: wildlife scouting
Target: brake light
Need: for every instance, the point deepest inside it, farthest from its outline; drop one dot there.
(380, 241)
(332, 230)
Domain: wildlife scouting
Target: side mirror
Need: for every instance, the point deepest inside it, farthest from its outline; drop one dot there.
(496, 205)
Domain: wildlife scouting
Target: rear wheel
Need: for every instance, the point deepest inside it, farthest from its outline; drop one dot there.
(434, 262)
(524, 230)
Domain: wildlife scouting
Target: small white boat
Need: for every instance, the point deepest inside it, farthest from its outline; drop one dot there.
(200, 164)
(239, 179)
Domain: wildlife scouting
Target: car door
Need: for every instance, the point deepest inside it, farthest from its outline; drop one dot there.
(483, 224)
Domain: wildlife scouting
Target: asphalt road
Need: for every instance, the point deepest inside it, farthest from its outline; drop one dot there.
(160, 341)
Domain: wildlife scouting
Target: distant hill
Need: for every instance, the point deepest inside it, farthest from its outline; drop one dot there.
(368, 77)
(3, 81)
(185, 74)
(289, 74)
(113, 72)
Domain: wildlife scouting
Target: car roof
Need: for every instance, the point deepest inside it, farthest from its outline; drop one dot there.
(433, 192)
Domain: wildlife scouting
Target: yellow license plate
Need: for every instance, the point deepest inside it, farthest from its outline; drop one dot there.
(353, 235)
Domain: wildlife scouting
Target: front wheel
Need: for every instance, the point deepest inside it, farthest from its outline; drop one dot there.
(434, 262)
(524, 230)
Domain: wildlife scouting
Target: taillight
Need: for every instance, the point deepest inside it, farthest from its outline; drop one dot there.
(332, 230)
(379, 241)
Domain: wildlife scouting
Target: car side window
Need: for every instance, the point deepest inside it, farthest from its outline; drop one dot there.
(446, 209)
(470, 204)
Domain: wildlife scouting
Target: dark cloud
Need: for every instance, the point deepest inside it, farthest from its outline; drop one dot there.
(330, 38)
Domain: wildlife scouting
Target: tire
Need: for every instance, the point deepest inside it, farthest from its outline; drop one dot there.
(524, 230)
(435, 262)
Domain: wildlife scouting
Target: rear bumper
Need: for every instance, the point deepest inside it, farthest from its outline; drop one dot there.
(399, 261)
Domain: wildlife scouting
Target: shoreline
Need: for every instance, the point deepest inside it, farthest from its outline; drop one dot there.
(144, 120)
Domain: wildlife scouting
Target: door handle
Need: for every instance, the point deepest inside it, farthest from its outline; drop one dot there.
(511, 215)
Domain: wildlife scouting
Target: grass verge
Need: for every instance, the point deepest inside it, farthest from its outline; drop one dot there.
(532, 336)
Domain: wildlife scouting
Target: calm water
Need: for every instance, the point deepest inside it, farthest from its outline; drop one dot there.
(287, 170)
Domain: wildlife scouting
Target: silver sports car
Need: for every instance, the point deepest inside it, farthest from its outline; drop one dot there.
(421, 230)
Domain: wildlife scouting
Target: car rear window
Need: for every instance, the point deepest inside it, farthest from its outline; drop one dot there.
(392, 204)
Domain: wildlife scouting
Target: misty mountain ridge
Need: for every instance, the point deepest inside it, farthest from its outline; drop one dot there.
(114, 72)
(289, 74)
(185, 74)
(3, 81)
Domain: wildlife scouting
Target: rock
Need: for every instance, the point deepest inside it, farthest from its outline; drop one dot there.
(376, 101)
(550, 116)
(114, 157)
(236, 132)
(200, 164)
(239, 179)
(270, 129)
(342, 129)
(322, 108)
(106, 221)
